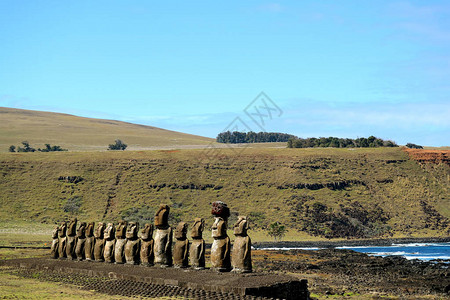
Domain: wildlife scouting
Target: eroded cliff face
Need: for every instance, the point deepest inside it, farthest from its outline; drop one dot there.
(323, 192)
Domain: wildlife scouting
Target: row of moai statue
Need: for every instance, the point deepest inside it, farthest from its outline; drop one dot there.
(121, 243)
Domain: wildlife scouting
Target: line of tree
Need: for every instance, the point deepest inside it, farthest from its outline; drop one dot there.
(236, 137)
(27, 148)
(336, 142)
(414, 146)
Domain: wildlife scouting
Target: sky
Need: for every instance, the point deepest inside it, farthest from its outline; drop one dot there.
(327, 68)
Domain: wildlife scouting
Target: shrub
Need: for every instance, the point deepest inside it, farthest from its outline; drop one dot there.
(12, 148)
(118, 145)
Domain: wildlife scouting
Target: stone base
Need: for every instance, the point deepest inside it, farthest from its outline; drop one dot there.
(255, 284)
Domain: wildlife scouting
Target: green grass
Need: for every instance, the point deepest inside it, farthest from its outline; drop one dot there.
(133, 183)
(84, 134)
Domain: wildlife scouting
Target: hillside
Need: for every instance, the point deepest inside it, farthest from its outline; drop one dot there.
(83, 134)
(331, 193)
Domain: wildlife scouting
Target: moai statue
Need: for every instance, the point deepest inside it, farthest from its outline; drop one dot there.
(108, 236)
(99, 242)
(147, 254)
(81, 241)
(181, 248)
(71, 238)
(197, 248)
(221, 246)
(121, 240)
(62, 240)
(90, 241)
(163, 237)
(55, 243)
(133, 244)
(241, 254)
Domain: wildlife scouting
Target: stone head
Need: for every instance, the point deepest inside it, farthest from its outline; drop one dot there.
(181, 230)
(72, 228)
(98, 233)
(241, 226)
(62, 229)
(162, 216)
(132, 230)
(220, 209)
(121, 229)
(81, 231)
(55, 232)
(90, 229)
(109, 232)
(197, 228)
(219, 228)
(147, 232)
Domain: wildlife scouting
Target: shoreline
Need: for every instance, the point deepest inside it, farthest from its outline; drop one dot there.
(348, 243)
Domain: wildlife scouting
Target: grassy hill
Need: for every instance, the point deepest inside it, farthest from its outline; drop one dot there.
(83, 134)
(331, 193)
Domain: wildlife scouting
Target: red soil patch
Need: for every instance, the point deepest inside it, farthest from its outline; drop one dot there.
(429, 156)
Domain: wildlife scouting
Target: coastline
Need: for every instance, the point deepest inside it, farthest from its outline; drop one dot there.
(348, 243)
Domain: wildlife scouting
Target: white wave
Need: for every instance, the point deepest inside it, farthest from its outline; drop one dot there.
(422, 245)
(427, 257)
(289, 248)
(358, 247)
(390, 253)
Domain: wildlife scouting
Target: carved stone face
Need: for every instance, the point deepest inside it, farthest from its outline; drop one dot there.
(90, 229)
(55, 232)
(132, 230)
(241, 226)
(109, 232)
(121, 229)
(197, 228)
(162, 216)
(220, 209)
(219, 228)
(147, 232)
(72, 228)
(99, 230)
(181, 230)
(81, 231)
(62, 229)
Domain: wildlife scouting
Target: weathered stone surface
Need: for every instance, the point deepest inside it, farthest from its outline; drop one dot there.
(99, 242)
(119, 251)
(163, 237)
(147, 254)
(133, 244)
(81, 241)
(55, 242)
(109, 237)
(241, 254)
(181, 248)
(62, 240)
(221, 246)
(90, 242)
(197, 248)
(71, 238)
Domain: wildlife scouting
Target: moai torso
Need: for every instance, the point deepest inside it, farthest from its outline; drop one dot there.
(181, 248)
(146, 254)
(55, 243)
(241, 254)
(163, 237)
(108, 236)
(197, 248)
(62, 240)
(99, 242)
(90, 241)
(119, 251)
(81, 241)
(71, 238)
(133, 244)
(221, 246)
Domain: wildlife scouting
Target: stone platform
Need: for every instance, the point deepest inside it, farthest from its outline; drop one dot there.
(267, 285)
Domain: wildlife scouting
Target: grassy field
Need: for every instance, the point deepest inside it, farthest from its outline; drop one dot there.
(84, 134)
(316, 193)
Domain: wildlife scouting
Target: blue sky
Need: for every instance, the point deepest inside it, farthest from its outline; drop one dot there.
(334, 68)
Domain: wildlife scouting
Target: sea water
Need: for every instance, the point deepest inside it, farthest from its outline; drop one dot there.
(422, 251)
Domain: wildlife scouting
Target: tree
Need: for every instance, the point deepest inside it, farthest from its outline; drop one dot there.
(409, 145)
(26, 147)
(118, 145)
(276, 230)
(12, 148)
